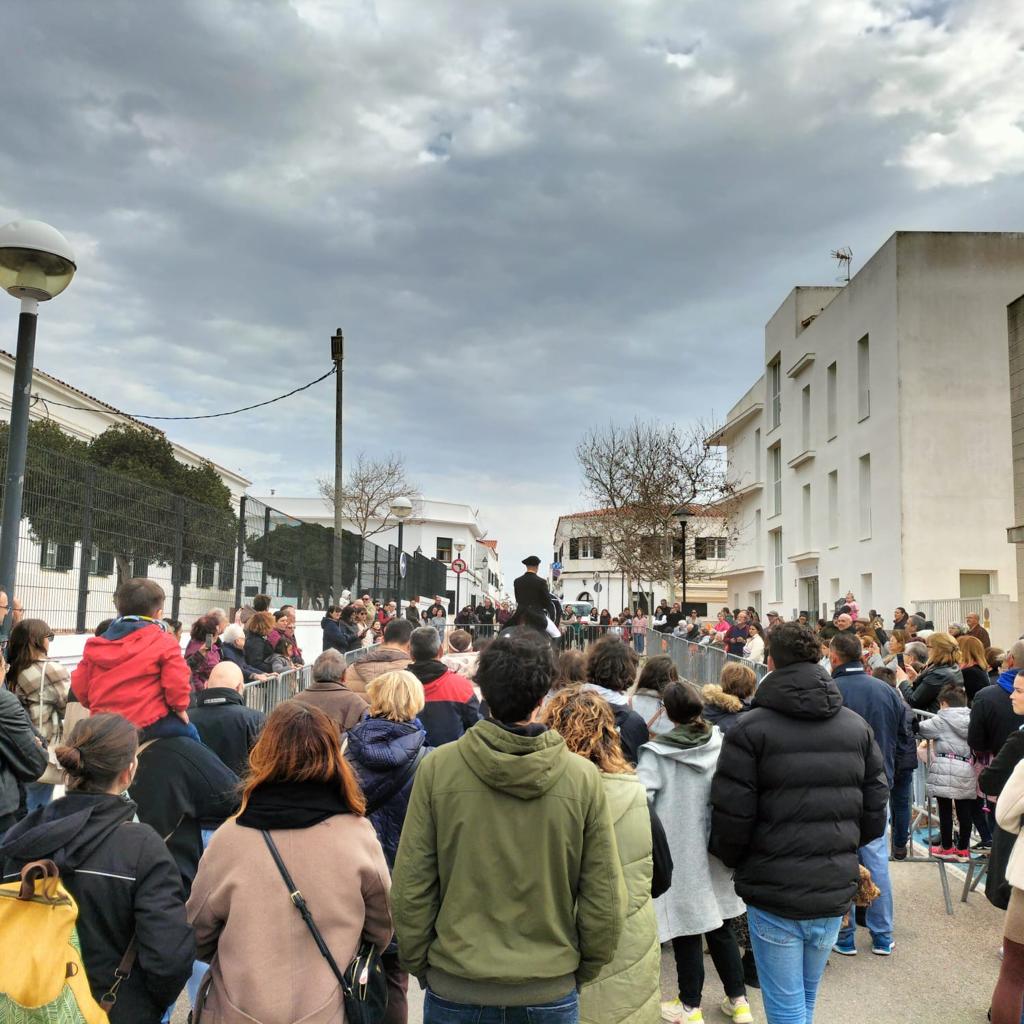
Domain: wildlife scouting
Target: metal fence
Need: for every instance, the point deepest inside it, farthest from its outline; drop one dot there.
(266, 694)
(700, 663)
(85, 528)
(944, 612)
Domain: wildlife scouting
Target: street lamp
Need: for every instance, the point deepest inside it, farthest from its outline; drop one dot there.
(459, 548)
(682, 516)
(36, 263)
(401, 509)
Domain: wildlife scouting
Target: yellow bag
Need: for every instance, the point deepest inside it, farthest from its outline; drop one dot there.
(42, 977)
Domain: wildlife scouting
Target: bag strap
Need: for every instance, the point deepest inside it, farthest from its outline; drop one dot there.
(124, 968)
(657, 714)
(299, 902)
(396, 787)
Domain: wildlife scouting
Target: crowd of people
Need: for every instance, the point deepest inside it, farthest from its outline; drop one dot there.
(519, 824)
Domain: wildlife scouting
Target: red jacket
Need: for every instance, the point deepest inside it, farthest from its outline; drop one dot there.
(141, 676)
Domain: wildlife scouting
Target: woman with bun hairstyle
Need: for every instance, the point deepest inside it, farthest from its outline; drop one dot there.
(118, 871)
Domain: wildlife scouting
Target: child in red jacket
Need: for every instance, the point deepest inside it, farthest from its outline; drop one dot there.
(135, 668)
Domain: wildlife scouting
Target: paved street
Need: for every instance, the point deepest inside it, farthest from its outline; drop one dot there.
(942, 971)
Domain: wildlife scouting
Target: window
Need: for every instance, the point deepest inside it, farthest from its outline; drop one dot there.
(831, 398)
(775, 471)
(574, 548)
(976, 584)
(585, 547)
(806, 520)
(865, 596)
(140, 568)
(757, 537)
(833, 508)
(101, 563)
(776, 548)
(775, 391)
(757, 455)
(705, 548)
(805, 419)
(444, 549)
(596, 546)
(863, 379)
(865, 497)
(227, 575)
(57, 557)
(204, 574)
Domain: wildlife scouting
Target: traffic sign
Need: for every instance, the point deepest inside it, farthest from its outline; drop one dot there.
(598, 587)
(459, 567)
(403, 565)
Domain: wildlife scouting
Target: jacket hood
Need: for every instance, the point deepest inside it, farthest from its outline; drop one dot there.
(118, 644)
(384, 745)
(67, 830)
(803, 690)
(958, 719)
(621, 792)
(120, 628)
(381, 653)
(525, 767)
(713, 694)
(691, 747)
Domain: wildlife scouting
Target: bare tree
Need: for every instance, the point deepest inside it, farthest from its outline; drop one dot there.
(636, 477)
(370, 488)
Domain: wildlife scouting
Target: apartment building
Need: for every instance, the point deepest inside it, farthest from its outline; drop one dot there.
(873, 455)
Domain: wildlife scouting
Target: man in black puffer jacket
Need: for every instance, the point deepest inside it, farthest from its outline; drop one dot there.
(800, 787)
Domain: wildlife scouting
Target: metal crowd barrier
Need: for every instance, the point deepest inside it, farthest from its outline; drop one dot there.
(700, 663)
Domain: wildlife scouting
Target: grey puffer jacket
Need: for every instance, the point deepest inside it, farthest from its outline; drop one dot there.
(950, 772)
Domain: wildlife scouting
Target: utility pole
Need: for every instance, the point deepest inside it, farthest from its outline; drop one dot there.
(338, 355)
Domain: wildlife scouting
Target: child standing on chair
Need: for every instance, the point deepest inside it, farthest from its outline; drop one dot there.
(951, 778)
(135, 668)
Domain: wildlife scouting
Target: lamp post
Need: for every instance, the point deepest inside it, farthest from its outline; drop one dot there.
(401, 509)
(36, 263)
(459, 548)
(682, 516)
(338, 357)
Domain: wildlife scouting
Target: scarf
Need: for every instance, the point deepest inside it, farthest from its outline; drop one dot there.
(685, 736)
(612, 696)
(281, 805)
(1006, 679)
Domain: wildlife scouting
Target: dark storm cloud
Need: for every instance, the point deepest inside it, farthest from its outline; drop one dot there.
(528, 217)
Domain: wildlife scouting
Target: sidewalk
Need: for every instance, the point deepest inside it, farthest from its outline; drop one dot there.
(943, 969)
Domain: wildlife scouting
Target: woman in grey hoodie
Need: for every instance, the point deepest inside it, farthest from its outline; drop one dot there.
(951, 777)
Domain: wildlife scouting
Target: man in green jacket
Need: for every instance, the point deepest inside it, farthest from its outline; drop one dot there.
(507, 889)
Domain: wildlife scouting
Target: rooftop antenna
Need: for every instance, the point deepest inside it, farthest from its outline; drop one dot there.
(843, 258)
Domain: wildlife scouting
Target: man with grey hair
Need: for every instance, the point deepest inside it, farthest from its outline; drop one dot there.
(992, 715)
(977, 630)
(330, 694)
(452, 706)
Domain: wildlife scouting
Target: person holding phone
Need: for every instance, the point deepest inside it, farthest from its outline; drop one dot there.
(202, 653)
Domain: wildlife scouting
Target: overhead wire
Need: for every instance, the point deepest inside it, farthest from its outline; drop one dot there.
(203, 416)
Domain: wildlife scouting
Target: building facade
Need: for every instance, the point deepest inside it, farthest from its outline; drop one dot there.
(874, 453)
(436, 528)
(586, 573)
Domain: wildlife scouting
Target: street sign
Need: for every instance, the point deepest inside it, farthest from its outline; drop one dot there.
(403, 565)
(459, 567)
(598, 587)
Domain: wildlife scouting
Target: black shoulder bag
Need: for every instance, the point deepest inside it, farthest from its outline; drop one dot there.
(363, 984)
(398, 782)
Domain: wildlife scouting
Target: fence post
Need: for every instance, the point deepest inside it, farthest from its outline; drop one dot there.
(179, 541)
(240, 553)
(266, 550)
(376, 551)
(83, 569)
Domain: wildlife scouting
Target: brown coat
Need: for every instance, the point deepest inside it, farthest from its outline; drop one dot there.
(378, 661)
(344, 706)
(981, 633)
(265, 965)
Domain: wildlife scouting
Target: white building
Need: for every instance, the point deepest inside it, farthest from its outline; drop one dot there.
(874, 453)
(49, 575)
(436, 529)
(588, 575)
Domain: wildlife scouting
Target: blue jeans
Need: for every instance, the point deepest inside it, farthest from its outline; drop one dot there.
(38, 794)
(875, 857)
(168, 727)
(791, 957)
(899, 807)
(441, 1011)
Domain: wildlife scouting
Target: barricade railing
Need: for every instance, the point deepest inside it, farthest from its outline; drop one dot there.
(265, 694)
(699, 663)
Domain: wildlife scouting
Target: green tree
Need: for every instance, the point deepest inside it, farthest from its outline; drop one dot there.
(299, 556)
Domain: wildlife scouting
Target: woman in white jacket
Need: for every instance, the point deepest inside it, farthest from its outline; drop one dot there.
(1008, 997)
(753, 649)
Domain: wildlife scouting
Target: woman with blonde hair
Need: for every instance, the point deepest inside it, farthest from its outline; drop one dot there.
(628, 990)
(973, 665)
(941, 670)
(302, 800)
(386, 750)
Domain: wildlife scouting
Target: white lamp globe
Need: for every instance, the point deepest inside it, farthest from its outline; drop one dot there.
(36, 260)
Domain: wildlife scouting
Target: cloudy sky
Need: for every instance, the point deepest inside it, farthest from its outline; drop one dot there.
(529, 217)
